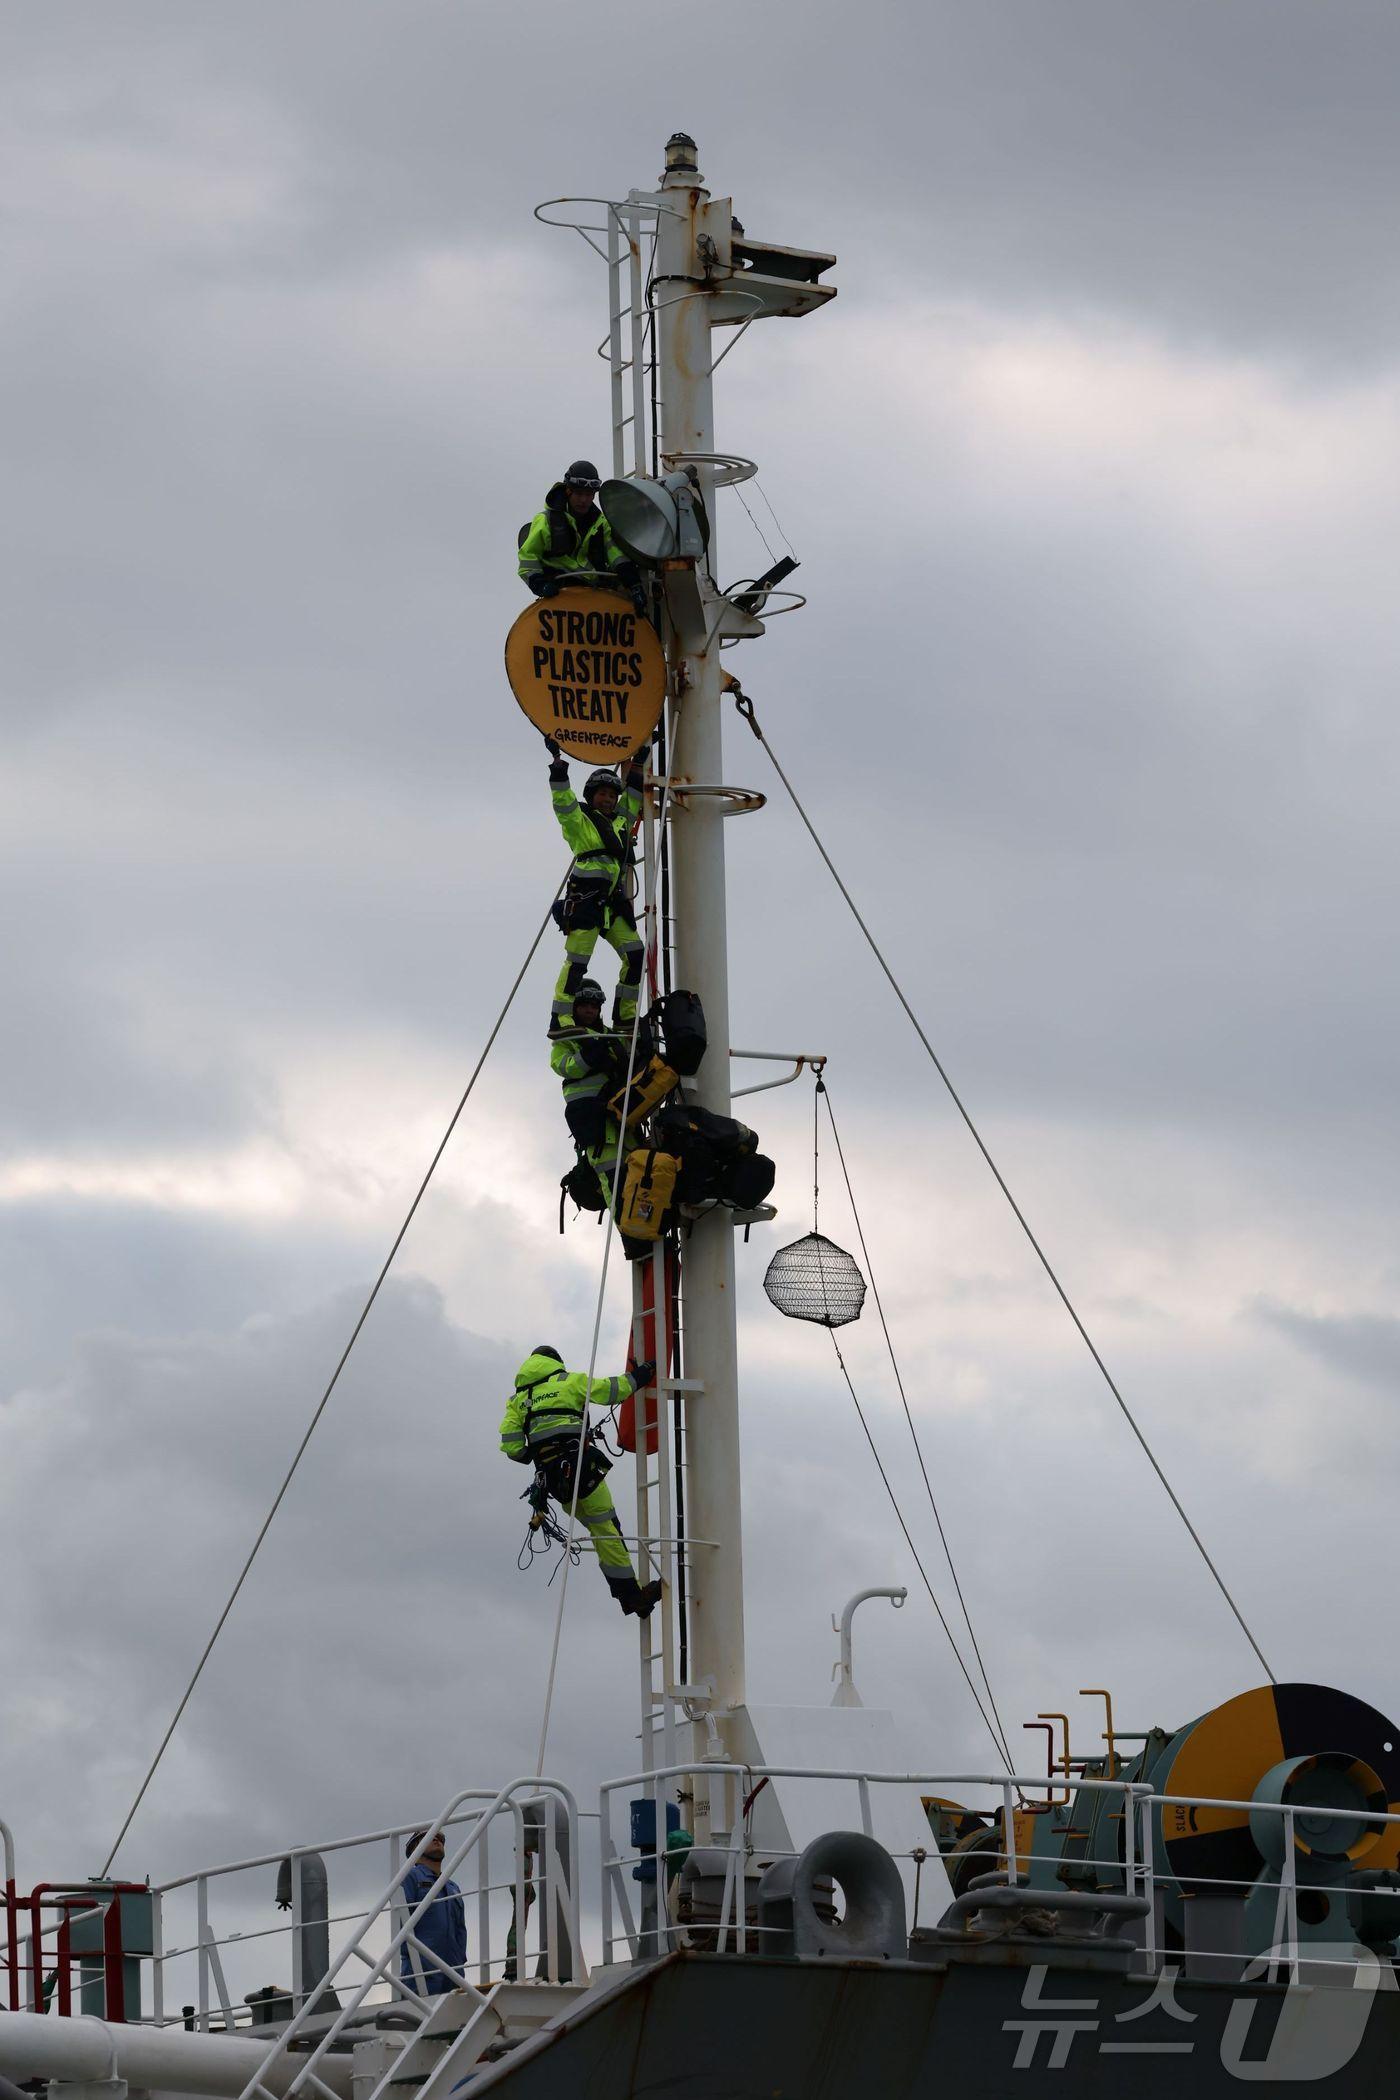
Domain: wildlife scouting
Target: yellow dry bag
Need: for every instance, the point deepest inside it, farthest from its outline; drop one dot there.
(647, 1188)
(649, 1086)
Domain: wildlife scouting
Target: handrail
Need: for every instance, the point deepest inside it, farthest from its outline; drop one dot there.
(1000, 1780)
(504, 1799)
(273, 1859)
(1141, 1876)
(398, 1940)
(1128, 1850)
(202, 1942)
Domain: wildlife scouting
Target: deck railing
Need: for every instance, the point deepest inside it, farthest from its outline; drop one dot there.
(525, 1854)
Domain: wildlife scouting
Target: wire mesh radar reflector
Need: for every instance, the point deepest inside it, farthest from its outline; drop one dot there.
(814, 1279)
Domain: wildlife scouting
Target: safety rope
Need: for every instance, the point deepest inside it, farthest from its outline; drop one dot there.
(543, 1533)
(649, 912)
(321, 1404)
(824, 1092)
(745, 707)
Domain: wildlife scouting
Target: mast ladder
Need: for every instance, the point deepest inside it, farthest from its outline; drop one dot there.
(627, 332)
(653, 1315)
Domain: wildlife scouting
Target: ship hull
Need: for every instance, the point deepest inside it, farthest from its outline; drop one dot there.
(716, 2027)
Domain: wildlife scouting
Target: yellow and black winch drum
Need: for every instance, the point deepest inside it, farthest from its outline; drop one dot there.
(1321, 1735)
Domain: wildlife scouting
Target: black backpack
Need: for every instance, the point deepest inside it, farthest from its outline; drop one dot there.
(584, 1184)
(701, 1176)
(588, 1126)
(747, 1182)
(683, 1032)
(683, 1124)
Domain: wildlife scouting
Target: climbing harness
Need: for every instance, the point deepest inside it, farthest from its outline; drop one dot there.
(584, 904)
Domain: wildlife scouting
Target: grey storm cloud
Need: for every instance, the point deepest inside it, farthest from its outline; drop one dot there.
(1363, 1346)
(1091, 468)
(1196, 164)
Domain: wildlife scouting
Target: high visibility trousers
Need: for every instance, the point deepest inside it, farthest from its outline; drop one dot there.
(619, 932)
(597, 1513)
(602, 1157)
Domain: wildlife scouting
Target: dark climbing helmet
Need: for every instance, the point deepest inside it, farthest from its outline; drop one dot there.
(543, 1349)
(604, 777)
(582, 475)
(589, 993)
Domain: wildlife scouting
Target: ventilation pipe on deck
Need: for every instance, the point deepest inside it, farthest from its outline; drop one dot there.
(87, 2051)
(310, 1906)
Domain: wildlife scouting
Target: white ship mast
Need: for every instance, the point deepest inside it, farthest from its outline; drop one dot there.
(705, 275)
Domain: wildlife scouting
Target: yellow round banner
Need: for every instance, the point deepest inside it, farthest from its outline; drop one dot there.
(588, 671)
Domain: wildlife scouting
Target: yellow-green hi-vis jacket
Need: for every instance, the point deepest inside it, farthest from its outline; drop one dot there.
(558, 540)
(549, 1401)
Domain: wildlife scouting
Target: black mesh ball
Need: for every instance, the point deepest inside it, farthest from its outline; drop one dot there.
(814, 1279)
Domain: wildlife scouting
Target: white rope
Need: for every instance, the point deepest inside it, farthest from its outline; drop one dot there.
(649, 913)
(297, 1455)
(745, 706)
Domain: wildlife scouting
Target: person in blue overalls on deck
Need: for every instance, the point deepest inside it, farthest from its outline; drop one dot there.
(442, 1927)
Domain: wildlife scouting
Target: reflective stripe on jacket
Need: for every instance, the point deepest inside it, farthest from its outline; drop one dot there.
(549, 1400)
(559, 540)
(587, 1061)
(602, 846)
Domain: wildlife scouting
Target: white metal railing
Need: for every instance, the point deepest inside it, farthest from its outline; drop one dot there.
(557, 1895)
(545, 1860)
(192, 1957)
(1136, 1865)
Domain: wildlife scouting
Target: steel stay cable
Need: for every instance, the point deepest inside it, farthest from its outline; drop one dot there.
(825, 1092)
(649, 909)
(774, 515)
(745, 706)
(1002, 1753)
(758, 528)
(321, 1404)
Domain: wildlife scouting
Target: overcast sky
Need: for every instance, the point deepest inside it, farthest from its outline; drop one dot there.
(1094, 471)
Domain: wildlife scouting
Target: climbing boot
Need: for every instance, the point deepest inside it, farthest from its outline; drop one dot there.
(638, 1600)
(645, 1598)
